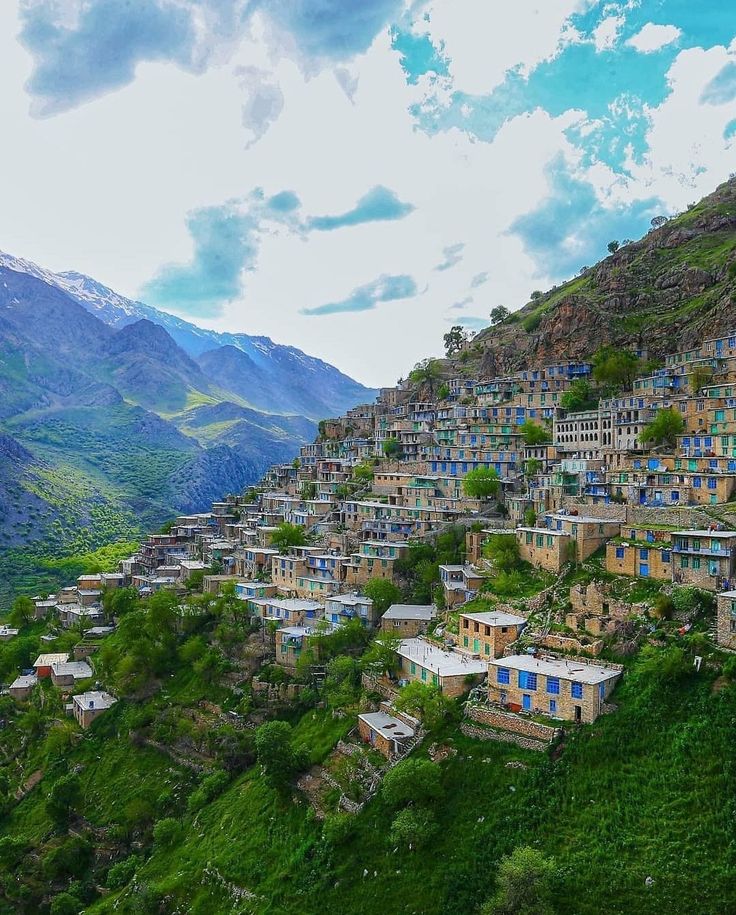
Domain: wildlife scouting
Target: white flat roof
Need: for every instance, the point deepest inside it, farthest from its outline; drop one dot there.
(350, 599)
(288, 603)
(80, 670)
(94, 700)
(410, 612)
(495, 618)
(387, 726)
(441, 662)
(563, 668)
(295, 630)
(23, 681)
(46, 660)
(544, 530)
(731, 594)
(725, 534)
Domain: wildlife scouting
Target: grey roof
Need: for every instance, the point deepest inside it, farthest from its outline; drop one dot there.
(80, 670)
(441, 662)
(24, 681)
(563, 668)
(424, 612)
(387, 725)
(94, 700)
(495, 618)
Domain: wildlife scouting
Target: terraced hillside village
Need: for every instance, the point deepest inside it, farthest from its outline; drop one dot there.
(474, 651)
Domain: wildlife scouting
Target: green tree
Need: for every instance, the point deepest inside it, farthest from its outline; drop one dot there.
(503, 550)
(481, 483)
(275, 753)
(443, 391)
(342, 681)
(392, 449)
(22, 612)
(166, 832)
(524, 881)
(532, 466)
(65, 796)
(614, 368)
(664, 428)
(579, 396)
(65, 904)
(700, 376)
(412, 781)
(381, 657)
(530, 517)
(426, 375)
(413, 826)
(383, 592)
(613, 246)
(499, 314)
(288, 535)
(534, 434)
(309, 490)
(363, 473)
(426, 702)
(454, 339)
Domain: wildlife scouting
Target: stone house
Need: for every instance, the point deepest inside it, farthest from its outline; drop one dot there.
(22, 687)
(544, 548)
(705, 559)
(460, 583)
(385, 732)
(488, 634)
(451, 671)
(44, 662)
(88, 706)
(559, 687)
(726, 619)
(408, 619)
(67, 673)
(639, 559)
(290, 644)
(341, 608)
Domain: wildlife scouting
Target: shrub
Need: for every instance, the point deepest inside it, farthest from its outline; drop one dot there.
(208, 790)
(524, 884)
(412, 781)
(167, 832)
(122, 872)
(413, 826)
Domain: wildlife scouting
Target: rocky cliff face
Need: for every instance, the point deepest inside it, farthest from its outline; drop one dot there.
(665, 292)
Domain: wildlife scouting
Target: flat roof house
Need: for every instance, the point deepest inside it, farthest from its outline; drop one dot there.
(726, 619)
(43, 663)
(451, 671)
(460, 583)
(543, 548)
(488, 634)
(66, 673)
(408, 619)
(343, 607)
(22, 687)
(559, 687)
(384, 732)
(290, 643)
(88, 706)
(706, 559)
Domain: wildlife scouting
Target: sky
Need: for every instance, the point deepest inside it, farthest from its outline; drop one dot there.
(353, 177)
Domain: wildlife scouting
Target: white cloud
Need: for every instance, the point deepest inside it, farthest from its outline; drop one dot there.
(606, 33)
(483, 42)
(653, 37)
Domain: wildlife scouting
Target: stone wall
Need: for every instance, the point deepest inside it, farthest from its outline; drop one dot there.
(506, 721)
(567, 643)
(686, 517)
(483, 733)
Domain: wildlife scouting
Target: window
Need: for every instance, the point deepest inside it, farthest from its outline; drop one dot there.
(553, 685)
(644, 554)
(696, 562)
(527, 680)
(684, 562)
(503, 675)
(665, 555)
(553, 705)
(576, 690)
(424, 674)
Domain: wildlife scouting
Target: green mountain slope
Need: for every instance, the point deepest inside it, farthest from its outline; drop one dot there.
(673, 288)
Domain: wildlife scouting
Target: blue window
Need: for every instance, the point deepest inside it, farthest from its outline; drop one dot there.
(712, 483)
(527, 680)
(503, 675)
(665, 555)
(643, 554)
(576, 690)
(553, 685)
(697, 482)
(553, 705)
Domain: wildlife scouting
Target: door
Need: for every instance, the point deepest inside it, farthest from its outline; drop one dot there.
(526, 702)
(476, 645)
(578, 714)
(644, 569)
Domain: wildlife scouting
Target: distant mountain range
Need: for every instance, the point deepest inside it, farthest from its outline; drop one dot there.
(114, 415)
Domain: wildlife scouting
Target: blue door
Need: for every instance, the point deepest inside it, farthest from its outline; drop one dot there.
(526, 702)
(644, 569)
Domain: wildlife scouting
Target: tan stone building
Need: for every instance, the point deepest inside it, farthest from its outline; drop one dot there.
(88, 706)
(705, 559)
(408, 619)
(488, 634)
(543, 548)
(560, 687)
(726, 619)
(452, 671)
(385, 732)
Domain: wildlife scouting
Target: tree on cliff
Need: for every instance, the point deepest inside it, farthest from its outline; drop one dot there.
(615, 369)
(664, 428)
(481, 483)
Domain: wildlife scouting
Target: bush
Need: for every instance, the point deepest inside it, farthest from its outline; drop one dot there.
(413, 826)
(167, 832)
(208, 790)
(412, 781)
(65, 904)
(524, 884)
(122, 872)
(337, 827)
